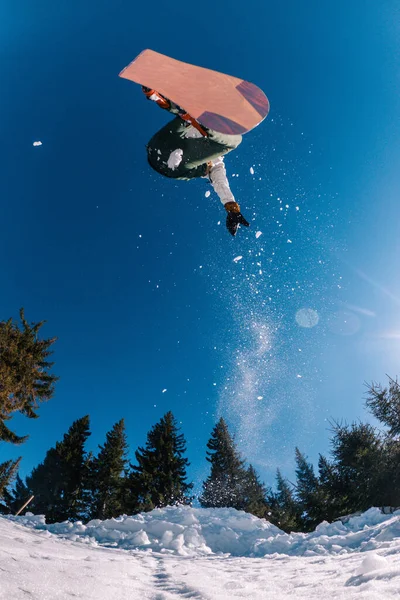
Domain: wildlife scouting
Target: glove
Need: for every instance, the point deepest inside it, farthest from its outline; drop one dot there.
(156, 97)
(234, 217)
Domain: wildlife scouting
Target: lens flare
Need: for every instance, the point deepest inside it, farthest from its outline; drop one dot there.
(307, 317)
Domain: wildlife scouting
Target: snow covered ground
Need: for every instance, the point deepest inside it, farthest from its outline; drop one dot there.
(203, 554)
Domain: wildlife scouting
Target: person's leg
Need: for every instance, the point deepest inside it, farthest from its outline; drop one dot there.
(195, 152)
(203, 150)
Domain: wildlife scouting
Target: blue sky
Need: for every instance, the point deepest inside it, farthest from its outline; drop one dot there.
(136, 275)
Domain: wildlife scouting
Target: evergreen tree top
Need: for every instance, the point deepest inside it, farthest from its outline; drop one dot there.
(351, 443)
(25, 380)
(384, 403)
(229, 484)
(159, 478)
(222, 452)
(8, 471)
(164, 436)
(285, 490)
(58, 482)
(306, 478)
(105, 475)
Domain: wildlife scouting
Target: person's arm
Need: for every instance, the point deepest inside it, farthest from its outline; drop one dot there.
(219, 181)
(160, 100)
(173, 108)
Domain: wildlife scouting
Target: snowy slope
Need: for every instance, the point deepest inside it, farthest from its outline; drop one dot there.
(198, 553)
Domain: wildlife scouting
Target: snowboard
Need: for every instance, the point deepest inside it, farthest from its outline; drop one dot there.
(226, 104)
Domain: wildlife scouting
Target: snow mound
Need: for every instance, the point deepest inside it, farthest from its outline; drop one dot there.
(187, 531)
(37, 564)
(373, 568)
(372, 562)
(179, 530)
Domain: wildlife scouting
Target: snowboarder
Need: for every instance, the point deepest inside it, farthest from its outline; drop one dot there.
(184, 149)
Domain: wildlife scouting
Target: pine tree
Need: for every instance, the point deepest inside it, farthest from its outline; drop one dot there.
(384, 404)
(159, 479)
(59, 483)
(285, 510)
(105, 479)
(307, 492)
(17, 496)
(255, 494)
(131, 493)
(332, 495)
(225, 486)
(8, 471)
(390, 474)
(25, 380)
(45, 483)
(359, 460)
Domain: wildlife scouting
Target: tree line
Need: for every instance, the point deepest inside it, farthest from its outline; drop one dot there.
(72, 483)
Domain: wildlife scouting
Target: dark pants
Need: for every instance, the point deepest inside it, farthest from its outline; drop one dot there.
(197, 151)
